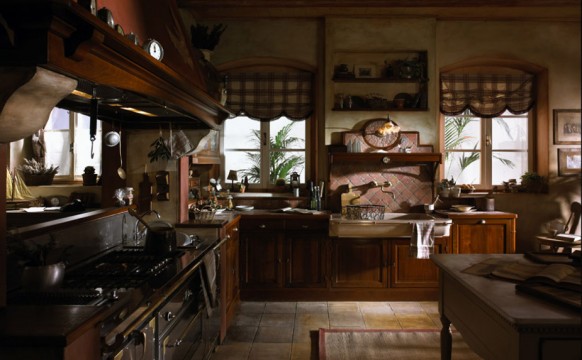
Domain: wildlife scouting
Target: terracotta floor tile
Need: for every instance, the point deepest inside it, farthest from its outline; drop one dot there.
(430, 307)
(406, 307)
(248, 319)
(250, 307)
(266, 351)
(244, 334)
(381, 321)
(274, 334)
(280, 308)
(304, 334)
(312, 320)
(346, 319)
(232, 351)
(278, 320)
(312, 307)
(303, 351)
(416, 321)
(375, 307)
(342, 306)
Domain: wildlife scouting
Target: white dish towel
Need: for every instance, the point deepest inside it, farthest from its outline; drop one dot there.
(422, 239)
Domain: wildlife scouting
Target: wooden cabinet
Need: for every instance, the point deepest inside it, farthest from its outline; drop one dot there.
(483, 233)
(408, 271)
(278, 253)
(378, 81)
(230, 276)
(359, 263)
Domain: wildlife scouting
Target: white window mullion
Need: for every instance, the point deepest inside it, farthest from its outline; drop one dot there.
(486, 152)
(265, 151)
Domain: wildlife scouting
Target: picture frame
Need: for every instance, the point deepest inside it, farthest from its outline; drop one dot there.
(567, 127)
(569, 162)
(367, 71)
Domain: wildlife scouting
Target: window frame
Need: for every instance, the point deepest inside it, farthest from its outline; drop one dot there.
(540, 112)
(486, 149)
(273, 64)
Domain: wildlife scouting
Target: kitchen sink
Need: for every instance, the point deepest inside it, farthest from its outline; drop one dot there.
(393, 225)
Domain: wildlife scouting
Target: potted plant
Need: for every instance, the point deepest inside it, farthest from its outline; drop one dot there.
(89, 176)
(36, 173)
(205, 38)
(532, 182)
(40, 271)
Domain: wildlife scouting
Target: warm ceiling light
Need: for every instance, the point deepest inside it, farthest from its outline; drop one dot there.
(141, 112)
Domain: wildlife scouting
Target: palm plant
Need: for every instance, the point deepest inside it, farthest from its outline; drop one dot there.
(281, 163)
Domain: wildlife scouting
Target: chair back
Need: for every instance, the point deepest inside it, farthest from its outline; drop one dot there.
(574, 219)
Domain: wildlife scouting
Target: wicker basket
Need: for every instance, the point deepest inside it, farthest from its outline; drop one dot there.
(365, 212)
(203, 214)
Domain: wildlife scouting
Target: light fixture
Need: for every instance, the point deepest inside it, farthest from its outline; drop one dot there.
(232, 176)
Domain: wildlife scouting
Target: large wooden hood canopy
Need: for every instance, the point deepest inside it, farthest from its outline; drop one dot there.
(62, 38)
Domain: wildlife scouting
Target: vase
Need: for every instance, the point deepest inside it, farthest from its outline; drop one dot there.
(89, 179)
(44, 277)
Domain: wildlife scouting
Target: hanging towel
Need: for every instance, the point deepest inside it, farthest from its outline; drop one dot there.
(209, 287)
(422, 239)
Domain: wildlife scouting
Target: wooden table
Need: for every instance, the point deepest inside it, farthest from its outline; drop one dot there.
(496, 321)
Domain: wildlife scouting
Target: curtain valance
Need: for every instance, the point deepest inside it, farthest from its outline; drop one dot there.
(268, 96)
(486, 95)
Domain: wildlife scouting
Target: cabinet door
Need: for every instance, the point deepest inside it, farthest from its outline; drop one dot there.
(304, 259)
(484, 236)
(359, 263)
(231, 271)
(408, 271)
(262, 253)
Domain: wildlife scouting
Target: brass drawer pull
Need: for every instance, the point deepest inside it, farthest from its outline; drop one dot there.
(262, 226)
(482, 221)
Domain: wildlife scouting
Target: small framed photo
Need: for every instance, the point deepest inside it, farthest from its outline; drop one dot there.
(365, 71)
(569, 162)
(567, 127)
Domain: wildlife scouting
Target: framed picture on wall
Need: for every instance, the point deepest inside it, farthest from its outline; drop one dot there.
(365, 71)
(569, 162)
(567, 127)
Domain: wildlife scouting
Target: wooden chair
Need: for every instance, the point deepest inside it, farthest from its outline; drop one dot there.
(557, 245)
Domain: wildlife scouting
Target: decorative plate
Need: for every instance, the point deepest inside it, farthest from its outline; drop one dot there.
(372, 135)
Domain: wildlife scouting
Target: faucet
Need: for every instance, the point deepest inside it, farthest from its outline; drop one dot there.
(387, 184)
(138, 235)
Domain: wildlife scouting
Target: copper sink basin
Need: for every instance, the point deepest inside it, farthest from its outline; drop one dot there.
(394, 225)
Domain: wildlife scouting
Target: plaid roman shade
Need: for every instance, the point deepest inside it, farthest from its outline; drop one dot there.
(268, 96)
(486, 95)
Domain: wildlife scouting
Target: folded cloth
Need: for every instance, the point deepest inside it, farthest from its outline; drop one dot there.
(422, 239)
(208, 275)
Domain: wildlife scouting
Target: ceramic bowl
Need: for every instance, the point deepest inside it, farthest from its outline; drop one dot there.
(462, 208)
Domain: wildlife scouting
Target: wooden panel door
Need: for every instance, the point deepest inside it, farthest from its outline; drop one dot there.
(408, 271)
(262, 253)
(359, 263)
(304, 259)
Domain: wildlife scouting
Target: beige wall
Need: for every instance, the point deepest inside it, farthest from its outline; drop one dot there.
(553, 45)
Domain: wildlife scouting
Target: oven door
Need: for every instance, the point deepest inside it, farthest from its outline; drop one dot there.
(140, 344)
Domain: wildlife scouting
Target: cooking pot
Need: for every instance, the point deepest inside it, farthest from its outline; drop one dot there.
(160, 238)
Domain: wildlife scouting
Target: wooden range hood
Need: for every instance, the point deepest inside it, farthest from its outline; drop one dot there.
(63, 38)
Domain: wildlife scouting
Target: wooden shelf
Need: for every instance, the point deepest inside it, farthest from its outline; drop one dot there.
(381, 109)
(412, 158)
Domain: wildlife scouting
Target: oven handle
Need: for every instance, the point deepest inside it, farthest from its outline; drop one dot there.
(141, 336)
(222, 241)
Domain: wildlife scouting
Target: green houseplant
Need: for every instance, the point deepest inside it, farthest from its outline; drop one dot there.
(36, 173)
(532, 182)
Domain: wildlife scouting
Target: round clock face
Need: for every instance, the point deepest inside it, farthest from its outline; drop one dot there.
(154, 48)
(374, 136)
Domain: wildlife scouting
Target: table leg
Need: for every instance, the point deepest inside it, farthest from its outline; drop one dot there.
(446, 339)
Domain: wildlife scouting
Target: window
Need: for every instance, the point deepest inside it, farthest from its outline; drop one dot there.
(487, 151)
(247, 150)
(66, 137)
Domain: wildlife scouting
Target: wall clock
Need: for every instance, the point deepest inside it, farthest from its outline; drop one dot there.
(381, 133)
(154, 48)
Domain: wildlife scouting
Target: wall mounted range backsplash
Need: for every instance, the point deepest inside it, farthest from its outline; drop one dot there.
(411, 183)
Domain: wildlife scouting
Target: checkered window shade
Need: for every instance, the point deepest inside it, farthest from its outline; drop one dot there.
(268, 96)
(486, 95)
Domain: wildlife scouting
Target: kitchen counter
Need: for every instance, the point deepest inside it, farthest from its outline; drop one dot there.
(61, 325)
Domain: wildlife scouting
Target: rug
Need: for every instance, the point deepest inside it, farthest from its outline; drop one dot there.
(370, 344)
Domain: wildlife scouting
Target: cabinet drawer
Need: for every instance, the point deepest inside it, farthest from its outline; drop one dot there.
(306, 224)
(262, 224)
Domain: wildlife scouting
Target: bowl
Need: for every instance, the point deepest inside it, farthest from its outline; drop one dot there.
(462, 208)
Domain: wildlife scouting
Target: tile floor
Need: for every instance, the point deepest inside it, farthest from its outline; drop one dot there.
(284, 330)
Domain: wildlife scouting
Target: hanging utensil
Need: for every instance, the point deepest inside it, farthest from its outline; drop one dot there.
(120, 170)
(93, 120)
